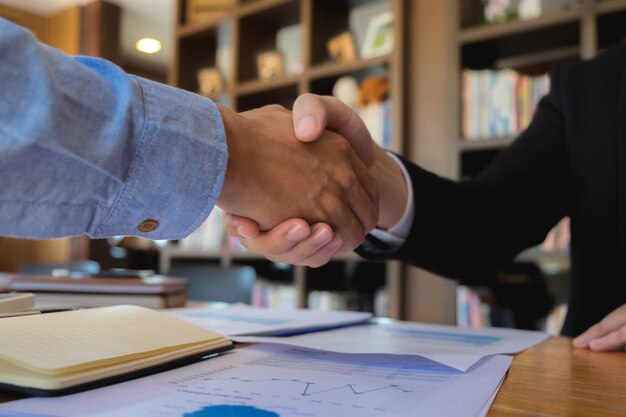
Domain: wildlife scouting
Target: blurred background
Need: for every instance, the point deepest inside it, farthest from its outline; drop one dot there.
(447, 83)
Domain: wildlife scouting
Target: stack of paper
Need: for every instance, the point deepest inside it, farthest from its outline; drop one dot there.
(372, 368)
(448, 345)
(242, 319)
(273, 380)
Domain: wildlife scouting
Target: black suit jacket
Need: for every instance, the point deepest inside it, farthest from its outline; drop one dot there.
(570, 161)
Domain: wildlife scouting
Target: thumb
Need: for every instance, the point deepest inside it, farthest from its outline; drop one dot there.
(313, 114)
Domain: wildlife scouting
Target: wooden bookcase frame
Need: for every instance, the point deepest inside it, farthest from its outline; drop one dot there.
(253, 25)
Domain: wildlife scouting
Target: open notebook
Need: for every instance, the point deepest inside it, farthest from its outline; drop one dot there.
(59, 353)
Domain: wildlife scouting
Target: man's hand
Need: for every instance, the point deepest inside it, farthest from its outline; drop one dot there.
(293, 241)
(608, 334)
(271, 176)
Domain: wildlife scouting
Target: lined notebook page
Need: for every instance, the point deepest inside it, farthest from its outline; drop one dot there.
(52, 343)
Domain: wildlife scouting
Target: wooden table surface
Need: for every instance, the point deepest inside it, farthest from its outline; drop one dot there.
(555, 380)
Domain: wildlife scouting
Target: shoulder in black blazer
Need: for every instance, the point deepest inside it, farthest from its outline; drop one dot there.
(571, 161)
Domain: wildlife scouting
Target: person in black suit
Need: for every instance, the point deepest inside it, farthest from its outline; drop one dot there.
(571, 161)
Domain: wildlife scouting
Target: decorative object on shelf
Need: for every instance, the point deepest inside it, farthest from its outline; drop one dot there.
(346, 89)
(374, 89)
(379, 36)
(360, 16)
(498, 11)
(270, 65)
(289, 44)
(374, 108)
(341, 47)
(210, 82)
(199, 11)
(530, 9)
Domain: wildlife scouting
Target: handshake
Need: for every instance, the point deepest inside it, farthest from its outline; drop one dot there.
(301, 187)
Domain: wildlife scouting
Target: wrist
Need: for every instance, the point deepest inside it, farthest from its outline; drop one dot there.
(232, 182)
(393, 189)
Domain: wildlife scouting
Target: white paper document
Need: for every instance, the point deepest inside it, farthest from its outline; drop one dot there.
(242, 319)
(449, 345)
(283, 381)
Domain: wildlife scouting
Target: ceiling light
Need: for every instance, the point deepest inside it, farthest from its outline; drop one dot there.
(148, 45)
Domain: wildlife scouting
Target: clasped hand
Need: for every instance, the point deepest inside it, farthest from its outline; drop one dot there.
(271, 177)
(304, 242)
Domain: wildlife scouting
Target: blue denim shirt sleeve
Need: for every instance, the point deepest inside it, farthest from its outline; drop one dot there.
(88, 149)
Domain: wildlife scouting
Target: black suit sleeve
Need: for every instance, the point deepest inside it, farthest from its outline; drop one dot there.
(468, 230)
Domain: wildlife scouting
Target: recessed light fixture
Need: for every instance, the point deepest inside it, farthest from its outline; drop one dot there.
(148, 45)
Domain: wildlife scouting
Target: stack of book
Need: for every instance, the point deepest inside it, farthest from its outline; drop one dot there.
(156, 291)
(498, 104)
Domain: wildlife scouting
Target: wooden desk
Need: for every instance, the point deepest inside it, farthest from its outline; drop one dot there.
(555, 380)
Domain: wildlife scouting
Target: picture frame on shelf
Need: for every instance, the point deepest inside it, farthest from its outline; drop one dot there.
(210, 82)
(379, 38)
(341, 47)
(270, 65)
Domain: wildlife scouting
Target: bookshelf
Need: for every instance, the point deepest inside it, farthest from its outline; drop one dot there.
(528, 46)
(232, 42)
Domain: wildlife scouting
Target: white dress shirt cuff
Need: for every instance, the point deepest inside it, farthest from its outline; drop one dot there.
(397, 234)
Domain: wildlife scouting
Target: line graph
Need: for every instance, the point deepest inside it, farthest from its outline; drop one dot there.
(354, 389)
(307, 388)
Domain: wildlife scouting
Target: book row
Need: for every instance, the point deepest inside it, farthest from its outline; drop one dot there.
(498, 104)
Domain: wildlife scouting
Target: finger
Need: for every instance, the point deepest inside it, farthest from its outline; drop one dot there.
(240, 227)
(613, 341)
(322, 256)
(279, 239)
(615, 320)
(313, 114)
(315, 250)
(594, 332)
(367, 212)
(360, 203)
(344, 222)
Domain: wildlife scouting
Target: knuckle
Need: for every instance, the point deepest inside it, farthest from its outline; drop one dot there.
(275, 107)
(344, 146)
(347, 180)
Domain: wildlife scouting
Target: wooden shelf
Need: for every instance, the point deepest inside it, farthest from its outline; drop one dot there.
(261, 86)
(486, 144)
(175, 252)
(332, 69)
(178, 252)
(497, 30)
(186, 31)
(247, 256)
(553, 55)
(255, 7)
(610, 6)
